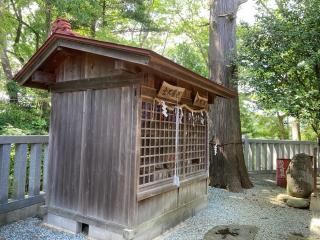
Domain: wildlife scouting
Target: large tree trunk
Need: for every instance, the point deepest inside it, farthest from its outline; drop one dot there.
(11, 86)
(227, 167)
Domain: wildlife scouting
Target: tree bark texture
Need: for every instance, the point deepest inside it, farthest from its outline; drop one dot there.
(11, 86)
(227, 167)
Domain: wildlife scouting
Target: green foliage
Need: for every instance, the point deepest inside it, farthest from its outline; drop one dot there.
(21, 120)
(189, 57)
(280, 59)
(26, 25)
(256, 123)
(179, 30)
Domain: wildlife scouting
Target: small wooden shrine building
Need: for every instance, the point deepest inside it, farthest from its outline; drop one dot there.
(128, 136)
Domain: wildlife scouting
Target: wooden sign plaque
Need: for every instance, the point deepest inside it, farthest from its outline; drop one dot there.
(170, 92)
(200, 101)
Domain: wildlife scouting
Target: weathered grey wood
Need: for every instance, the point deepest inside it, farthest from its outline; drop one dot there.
(107, 52)
(269, 160)
(279, 141)
(43, 77)
(20, 162)
(45, 167)
(297, 148)
(161, 204)
(53, 142)
(264, 156)
(291, 151)
(246, 151)
(315, 171)
(266, 152)
(110, 81)
(258, 156)
(65, 154)
(135, 156)
(254, 160)
(24, 139)
(86, 219)
(287, 150)
(281, 151)
(250, 158)
(4, 172)
(34, 169)
(92, 171)
(84, 172)
(17, 204)
(158, 190)
(277, 147)
(46, 53)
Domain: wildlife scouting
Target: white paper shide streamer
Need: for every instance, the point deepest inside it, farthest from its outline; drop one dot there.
(176, 179)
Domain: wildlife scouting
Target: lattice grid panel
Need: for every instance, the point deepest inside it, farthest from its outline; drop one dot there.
(157, 155)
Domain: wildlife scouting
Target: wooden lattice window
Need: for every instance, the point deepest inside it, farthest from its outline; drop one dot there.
(158, 145)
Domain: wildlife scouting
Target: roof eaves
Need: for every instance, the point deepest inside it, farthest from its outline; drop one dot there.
(204, 83)
(19, 75)
(147, 57)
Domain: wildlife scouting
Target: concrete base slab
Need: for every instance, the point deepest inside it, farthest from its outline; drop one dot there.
(102, 234)
(62, 223)
(22, 213)
(157, 226)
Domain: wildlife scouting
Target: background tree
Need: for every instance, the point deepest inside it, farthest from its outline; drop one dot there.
(260, 123)
(227, 168)
(26, 25)
(280, 59)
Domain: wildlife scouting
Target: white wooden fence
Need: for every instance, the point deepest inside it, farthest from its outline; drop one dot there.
(23, 162)
(261, 155)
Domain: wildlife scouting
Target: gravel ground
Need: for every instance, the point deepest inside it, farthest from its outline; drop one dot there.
(256, 206)
(31, 229)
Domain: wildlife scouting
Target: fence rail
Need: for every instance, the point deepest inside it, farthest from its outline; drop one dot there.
(261, 154)
(23, 164)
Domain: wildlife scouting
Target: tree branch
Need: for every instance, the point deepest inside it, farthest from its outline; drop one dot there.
(21, 60)
(18, 15)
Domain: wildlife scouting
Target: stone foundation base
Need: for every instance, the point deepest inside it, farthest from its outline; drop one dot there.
(145, 231)
(22, 213)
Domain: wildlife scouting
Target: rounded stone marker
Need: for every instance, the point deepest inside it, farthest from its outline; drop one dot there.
(299, 176)
(232, 232)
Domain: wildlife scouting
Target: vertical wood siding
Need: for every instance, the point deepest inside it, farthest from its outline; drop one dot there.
(93, 153)
(169, 201)
(261, 154)
(83, 65)
(65, 150)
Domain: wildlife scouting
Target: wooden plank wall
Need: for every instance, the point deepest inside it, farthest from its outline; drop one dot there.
(163, 203)
(83, 65)
(93, 153)
(65, 149)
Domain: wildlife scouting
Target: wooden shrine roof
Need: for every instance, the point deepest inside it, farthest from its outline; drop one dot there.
(143, 57)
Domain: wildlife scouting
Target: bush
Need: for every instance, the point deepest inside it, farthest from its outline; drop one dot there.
(20, 120)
